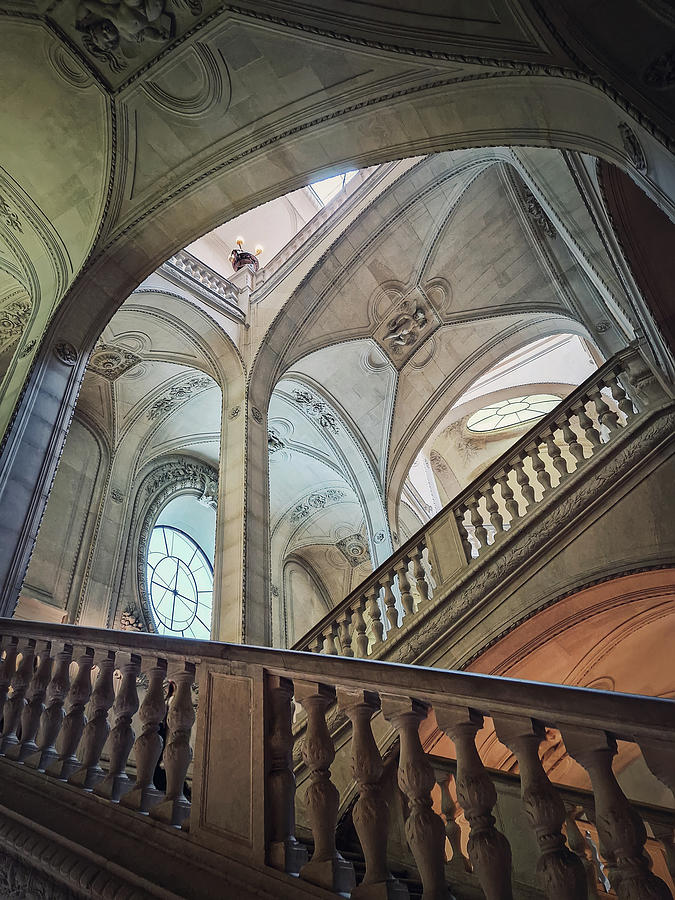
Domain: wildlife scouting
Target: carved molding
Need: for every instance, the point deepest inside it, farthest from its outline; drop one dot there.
(111, 361)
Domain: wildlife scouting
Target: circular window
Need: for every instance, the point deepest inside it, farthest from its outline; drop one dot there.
(180, 584)
(515, 411)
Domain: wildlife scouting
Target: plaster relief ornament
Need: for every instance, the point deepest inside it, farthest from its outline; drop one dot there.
(274, 442)
(27, 349)
(257, 415)
(379, 537)
(11, 218)
(65, 353)
(13, 319)
(317, 500)
(536, 213)
(316, 409)
(354, 549)
(111, 361)
(131, 620)
(405, 329)
(116, 496)
(178, 395)
(107, 25)
(633, 147)
(209, 496)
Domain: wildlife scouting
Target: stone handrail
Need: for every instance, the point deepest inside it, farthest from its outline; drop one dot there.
(491, 508)
(57, 691)
(213, 287)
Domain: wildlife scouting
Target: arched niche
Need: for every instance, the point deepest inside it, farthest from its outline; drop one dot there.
(304, 602)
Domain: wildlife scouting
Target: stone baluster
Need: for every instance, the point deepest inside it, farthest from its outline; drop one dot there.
(8, 666)
(460, 516)
(477, 521)
(587, 425)
(149, 744)
(571, 438)
(52, 715)
(660, 758)
(508, 497)
(555, 453)
(523, 482)
(453, 832)
(540, 471)
(386, 582)
(360, 638)
(424, 829)
(316, 644)
(492, 507)
(14, 704)
(330, 633)
(373, 609)
(32, 711)
(401, 568)
(344, 632)
(283, 851)
(116, 783)
(371, 812)
(561, 872)
(97, 729)
(489, 850)
(665, 835)
(326, 868)
(579, 845)
(419, 574)
(75, 720)
(620, 396)
(177, 751)
(605, 415)
(621, 831)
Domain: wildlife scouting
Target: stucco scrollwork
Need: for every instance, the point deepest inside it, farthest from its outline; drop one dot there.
(27, 349)
(13, 318)
(316, 500)
(10, 217)
(536, 212)
(178, 395)
(316, 409)
(274, 442)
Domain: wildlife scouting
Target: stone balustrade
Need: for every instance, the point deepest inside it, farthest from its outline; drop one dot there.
(551, 457)
(63, 708)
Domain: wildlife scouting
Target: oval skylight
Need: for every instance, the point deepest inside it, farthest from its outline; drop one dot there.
(508, 413)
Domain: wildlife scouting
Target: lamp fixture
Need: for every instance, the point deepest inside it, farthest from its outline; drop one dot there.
(240, 257)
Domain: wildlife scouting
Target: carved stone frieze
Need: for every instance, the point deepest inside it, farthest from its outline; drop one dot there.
(14, 316)
(633, 147)
(355, 549)
(177, 395)
(316, 500)
(537, 214)
(316, 409)
(111, 361)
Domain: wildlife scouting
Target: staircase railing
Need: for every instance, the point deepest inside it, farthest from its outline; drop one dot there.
(493, 508)
(60, 686)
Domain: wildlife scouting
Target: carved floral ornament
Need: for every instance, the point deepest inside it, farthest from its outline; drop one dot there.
(177, 395)
(10, 217)
(111, 361)
(316, 500)
(536, 212)
(13, 319)
(355, 549)
(65, 353)
(316, 409)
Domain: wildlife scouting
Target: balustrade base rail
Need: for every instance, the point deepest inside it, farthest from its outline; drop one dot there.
(68, 693)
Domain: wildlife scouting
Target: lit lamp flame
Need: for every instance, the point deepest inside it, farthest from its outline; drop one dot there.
(240, 242)
(258, 250)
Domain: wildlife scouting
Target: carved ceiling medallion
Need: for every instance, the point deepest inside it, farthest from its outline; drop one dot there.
(355, 550)
(110, 361)
(406, 327)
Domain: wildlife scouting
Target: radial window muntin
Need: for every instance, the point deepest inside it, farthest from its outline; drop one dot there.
(512, 412)
(180, 584)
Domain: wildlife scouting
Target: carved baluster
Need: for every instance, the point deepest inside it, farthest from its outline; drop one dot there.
(8, 666)
(13, 707)
(423, 828)
(665, 835)
(284, 852)
(373, 609)
(587, 425)
(148, 747)
(579, 845)
(74, 722)
(326, 868)
(523, 482)
(453, 832)
(419, 574)
(622, 399)
(560, 871)
(660, 758)
(344, 632)
(52, 716)
(477, 521)
(621, 831)
(371, 812)
(401, 567)
(508, 497)
(492, 508)
(608, 418)
(360, 638)
(460, 515)
(32, 711)
(571, 438)
(330, 633)
(96, 730)
(116, 783)
(489, 850)
(177, 751)
(555, 453)
(316, 644)
(386, 581)
(542, 475)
